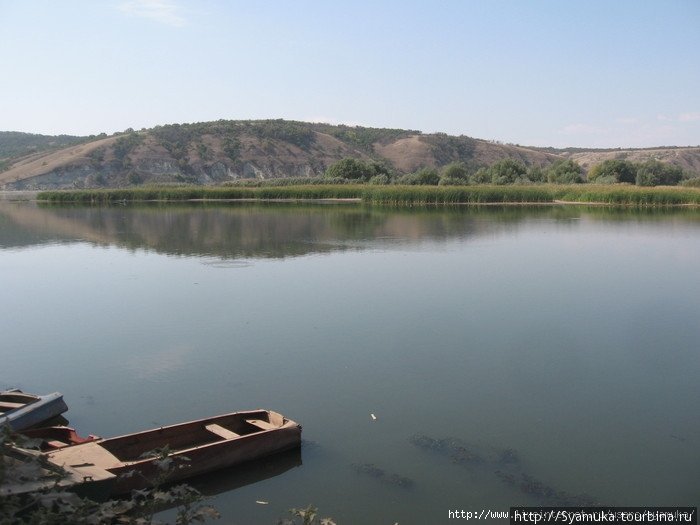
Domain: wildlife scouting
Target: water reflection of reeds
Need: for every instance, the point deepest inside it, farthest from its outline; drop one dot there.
(222, 232)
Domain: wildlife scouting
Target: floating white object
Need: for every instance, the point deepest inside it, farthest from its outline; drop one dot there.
(259, 502)
(374, 418)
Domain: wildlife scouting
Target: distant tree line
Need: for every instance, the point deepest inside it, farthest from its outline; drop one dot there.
(512, 171)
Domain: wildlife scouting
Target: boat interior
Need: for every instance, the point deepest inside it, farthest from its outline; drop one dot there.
(13, 400)
(133, 447)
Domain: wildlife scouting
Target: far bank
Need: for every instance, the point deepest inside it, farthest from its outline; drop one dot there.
(613, 195)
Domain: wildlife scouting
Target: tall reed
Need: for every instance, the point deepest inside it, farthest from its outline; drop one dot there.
(395, 194)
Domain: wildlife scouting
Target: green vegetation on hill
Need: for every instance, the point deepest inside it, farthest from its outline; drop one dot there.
(227, 150)
(15, 144)
(571, 150)
(125, 145)
(177, 136)
(447, 148)
(361, 137)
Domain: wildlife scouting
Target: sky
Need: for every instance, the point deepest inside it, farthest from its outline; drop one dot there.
(587, 73)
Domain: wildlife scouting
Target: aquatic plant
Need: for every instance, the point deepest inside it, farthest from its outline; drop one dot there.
(308, 516)
(544, 493)
(371, 470)
(456, 450)
(507, 466)
(395, 194)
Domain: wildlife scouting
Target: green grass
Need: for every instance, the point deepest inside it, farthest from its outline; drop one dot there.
(396, 195)
(629, 195)
(202, 193)
(403, 195)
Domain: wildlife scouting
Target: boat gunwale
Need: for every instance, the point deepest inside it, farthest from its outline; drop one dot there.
(288, 422)
(174, 453)
(184, 451)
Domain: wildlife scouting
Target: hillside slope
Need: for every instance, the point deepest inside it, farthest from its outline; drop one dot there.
(686, 158)
(216, 152)
(15, 144)
(42, 163)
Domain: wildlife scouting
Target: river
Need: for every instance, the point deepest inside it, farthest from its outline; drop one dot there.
(439, 358)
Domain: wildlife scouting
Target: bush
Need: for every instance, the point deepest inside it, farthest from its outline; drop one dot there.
(565, 172)
(380, 179)
(536, 174)
(691, 183)
(507, 171)
(454, 174)
(619, 170)
(452, 181)
(134, 178)
(606, 179)
(656, 173)
(124, 145)
(423, 177)
(355, 169)
(482, 176)
(285, 130)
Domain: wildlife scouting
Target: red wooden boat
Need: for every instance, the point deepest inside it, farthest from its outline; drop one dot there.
(194, 448)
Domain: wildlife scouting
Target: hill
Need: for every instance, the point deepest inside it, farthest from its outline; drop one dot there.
(14, 144)
(220, 151)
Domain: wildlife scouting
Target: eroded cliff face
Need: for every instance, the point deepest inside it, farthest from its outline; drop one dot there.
(210, 157)
(222, 151)
(161, 171)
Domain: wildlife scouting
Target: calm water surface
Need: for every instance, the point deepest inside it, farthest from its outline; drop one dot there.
(498, 348)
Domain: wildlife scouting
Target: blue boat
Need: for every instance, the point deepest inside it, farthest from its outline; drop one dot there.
(20, 410)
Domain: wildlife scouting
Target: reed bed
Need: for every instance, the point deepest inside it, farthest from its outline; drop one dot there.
(629, 195)
(395, 194)
(422, 195)
(203, 193)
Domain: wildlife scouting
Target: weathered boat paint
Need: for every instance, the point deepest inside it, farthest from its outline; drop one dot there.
(20, 410)
(195, 447)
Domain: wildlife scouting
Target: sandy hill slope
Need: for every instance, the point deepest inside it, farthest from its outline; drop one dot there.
(46, 162)
(686, 158)
(220, 151)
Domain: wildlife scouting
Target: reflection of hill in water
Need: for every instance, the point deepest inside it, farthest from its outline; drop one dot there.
(233, 231)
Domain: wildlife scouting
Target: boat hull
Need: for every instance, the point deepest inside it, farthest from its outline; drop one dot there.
(194, 448)
(34, 409)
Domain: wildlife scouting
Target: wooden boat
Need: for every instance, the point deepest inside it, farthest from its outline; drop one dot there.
(20, 410)
(28, 471)
(195, 447)
(55, 437)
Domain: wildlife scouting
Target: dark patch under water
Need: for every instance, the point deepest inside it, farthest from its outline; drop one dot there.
(466, 454)
(506, 461)
(546, 494)
(371, 470)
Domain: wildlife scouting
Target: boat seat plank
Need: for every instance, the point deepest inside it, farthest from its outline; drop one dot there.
(261, 424)
(7, 405)
(221, 431)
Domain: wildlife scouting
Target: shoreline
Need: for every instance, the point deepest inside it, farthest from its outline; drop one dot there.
(359, 200)
(393, 195)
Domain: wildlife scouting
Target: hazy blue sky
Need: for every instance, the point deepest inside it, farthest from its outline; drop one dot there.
(584, 73)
